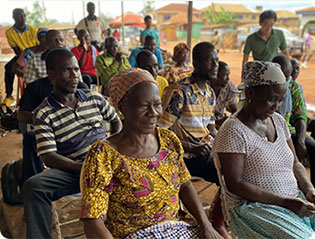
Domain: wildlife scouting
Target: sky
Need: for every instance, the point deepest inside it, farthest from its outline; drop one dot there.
(71, 10)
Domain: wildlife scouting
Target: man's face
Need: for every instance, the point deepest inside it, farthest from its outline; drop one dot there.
(54, 40)
(84, 35)
(19, 17)
(65, 77)
(150, 45)
(266, 26)
(91, 9)
(295, 69)
(223, 76)
(112, 47)
(148, 23)
(151, 65)
(208, 64)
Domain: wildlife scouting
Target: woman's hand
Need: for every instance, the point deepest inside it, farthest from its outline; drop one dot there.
(208, 232)
(300, 207)
(310, 196)
(201, 150)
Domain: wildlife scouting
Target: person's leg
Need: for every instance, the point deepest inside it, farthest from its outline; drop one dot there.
(32, 164)
(9, 77)
(38, 193)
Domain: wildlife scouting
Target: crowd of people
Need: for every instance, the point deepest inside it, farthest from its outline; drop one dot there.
(166, 124)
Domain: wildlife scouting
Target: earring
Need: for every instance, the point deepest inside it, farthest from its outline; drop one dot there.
(249, 101)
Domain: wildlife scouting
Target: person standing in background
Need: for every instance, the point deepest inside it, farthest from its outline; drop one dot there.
(149, 30)
(307, 51)
(94, 25)
(20, 36)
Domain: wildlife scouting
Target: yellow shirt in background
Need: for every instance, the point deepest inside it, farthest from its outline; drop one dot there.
(163, 83)
(22, 40)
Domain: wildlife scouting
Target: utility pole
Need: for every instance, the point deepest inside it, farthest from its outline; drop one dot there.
(189, 28)
(44, 13)
(99, 7)
(122, 23)
(83, 8)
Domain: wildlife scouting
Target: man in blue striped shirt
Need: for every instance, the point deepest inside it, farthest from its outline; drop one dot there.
(67, 122)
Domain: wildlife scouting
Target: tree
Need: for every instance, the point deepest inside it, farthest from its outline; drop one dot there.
(222, 17)
(148, 6)
(37, 16)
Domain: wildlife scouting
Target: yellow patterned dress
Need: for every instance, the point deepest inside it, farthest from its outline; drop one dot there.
(130, 194)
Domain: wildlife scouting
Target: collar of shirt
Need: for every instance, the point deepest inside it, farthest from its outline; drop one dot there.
(89, 18)
(57, 105)
(196, 89)
(260, 36)
(18, 31)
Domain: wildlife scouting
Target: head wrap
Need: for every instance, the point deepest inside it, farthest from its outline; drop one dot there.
(41, 32)
(180, 47)
(257, 73)
(124, 80)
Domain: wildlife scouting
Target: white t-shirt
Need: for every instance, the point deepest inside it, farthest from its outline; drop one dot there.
(94, 27)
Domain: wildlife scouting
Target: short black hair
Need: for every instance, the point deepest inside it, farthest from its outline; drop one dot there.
(52, 54)
(149, 38)
(267, 15)
(90, 4)
(199, 49)
(16, 10)
(142, 54)
(147, 17)
(50, 32)
(106, 43)
(222, 64)
(281, 60)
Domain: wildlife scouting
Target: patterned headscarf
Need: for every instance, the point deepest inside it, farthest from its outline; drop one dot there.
(41, 32)
(180, 47)
(257, 73)
(124, 80)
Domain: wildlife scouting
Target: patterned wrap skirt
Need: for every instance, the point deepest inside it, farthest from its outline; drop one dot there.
(261, 221)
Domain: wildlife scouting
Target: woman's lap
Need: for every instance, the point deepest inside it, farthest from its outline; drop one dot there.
(167, 230)
(259, 221)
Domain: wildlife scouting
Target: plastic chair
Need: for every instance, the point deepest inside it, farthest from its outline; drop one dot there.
(225, 210)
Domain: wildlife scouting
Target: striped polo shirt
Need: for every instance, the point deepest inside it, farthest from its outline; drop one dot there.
(70, 132)
(188, 110)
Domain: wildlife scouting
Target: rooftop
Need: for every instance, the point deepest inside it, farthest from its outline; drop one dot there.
(175, 7)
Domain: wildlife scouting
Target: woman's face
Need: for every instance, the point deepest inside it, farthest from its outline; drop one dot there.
(181, 56)
(142, 108)
(265, 100)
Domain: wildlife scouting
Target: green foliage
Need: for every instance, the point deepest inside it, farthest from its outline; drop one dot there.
(148, 7)
(210, 16)
(36, 17)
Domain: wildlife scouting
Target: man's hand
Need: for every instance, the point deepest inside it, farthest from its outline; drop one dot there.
(118, 57)
(301, 152)
(201, 150)
(85, 45)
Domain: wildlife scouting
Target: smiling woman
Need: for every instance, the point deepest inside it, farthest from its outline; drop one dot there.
(134, 179)
(269, 193)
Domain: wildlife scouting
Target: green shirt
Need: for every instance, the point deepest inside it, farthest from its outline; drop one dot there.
(265, 50)
(107, 66)
(298, 108)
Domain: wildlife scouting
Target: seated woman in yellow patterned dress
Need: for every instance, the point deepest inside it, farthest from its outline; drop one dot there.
(133, 180)
(181, 69)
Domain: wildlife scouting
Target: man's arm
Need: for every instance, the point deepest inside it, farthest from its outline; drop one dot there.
(25, 116)
(55, 160)
(106, 71)
(285, 52)
(17, 51)
(245, 58)
(30, 71)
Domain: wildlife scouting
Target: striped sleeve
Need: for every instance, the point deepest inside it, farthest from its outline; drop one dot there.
(107, 111)
(45, 137)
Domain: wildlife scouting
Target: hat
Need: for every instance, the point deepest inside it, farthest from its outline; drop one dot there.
(124, 80)
(257, 73)
(41, 32)
(180, 47)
